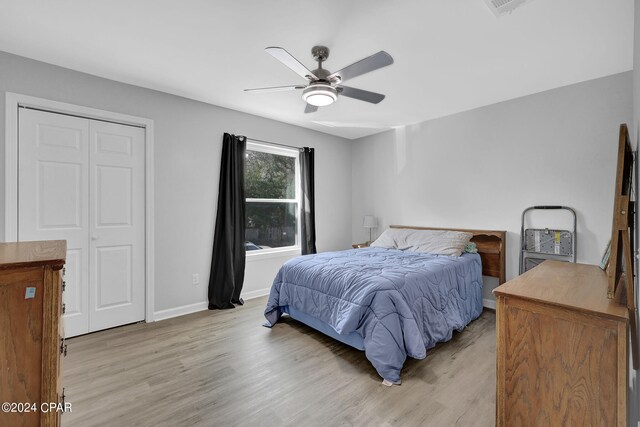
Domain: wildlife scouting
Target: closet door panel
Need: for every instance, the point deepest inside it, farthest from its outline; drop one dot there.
(53, 198)
(117, 225)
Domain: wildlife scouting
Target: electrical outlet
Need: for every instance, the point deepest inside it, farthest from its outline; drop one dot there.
(195, 279)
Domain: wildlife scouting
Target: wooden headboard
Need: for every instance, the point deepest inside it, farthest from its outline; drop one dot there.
(491, 248)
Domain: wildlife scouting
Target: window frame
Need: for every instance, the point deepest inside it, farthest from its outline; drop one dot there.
(287, 152)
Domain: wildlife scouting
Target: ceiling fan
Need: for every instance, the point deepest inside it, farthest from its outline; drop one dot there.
(323, 86)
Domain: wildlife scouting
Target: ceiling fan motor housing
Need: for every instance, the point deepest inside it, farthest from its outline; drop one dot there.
(321, 74)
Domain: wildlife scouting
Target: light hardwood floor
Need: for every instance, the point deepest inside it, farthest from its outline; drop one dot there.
(223, 368)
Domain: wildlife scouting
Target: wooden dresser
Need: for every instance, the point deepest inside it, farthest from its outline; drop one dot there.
(561, 349)
(31, 335)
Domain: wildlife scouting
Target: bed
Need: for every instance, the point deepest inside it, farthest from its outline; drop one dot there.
(388, 302)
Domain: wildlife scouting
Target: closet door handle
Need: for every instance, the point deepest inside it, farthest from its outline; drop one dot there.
(95, 236)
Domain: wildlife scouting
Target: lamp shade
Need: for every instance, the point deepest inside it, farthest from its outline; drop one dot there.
(370, 221)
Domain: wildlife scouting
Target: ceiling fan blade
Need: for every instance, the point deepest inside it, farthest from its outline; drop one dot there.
(310, 109)
(362, 95)
(274, 89)
(287, 59)
(370, 63)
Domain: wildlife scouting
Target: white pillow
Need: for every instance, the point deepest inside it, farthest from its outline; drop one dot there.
(439, 242)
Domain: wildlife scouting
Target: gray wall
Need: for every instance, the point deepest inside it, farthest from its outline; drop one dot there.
(481, 168)
(188, 138)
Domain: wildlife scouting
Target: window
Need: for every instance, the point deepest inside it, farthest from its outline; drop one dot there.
(272, 191)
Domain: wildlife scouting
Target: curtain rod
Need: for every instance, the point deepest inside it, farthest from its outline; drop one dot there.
(274, 143)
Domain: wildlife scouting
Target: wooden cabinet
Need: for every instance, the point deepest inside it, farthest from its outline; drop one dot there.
(31, 333)
(561, 349)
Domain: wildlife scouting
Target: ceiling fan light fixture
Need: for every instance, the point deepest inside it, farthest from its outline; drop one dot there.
(320, 94)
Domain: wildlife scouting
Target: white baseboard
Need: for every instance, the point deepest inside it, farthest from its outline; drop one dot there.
(489, 303)
(256, 294)
(180, 311)
(201, 306)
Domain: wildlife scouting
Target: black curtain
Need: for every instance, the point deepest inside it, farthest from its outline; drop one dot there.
(308, 205)
(228, 260)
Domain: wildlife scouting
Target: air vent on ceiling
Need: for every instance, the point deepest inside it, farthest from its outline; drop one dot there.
(500, 7)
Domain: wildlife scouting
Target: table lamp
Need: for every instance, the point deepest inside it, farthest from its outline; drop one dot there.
(369, 222)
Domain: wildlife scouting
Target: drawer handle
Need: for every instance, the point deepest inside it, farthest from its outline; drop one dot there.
(64, 308)
(64, 286)
(63, 397)
(63, 347)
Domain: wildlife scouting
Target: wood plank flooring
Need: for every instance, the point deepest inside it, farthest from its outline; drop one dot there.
(223, 368)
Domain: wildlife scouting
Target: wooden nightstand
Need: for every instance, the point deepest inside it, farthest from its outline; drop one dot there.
(360, 245)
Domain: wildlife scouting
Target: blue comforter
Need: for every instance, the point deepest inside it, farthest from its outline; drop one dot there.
(401, 303)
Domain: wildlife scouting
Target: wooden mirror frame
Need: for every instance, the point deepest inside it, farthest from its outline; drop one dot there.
(620, 269)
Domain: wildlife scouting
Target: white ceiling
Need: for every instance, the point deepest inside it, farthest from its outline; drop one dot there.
(450, 55)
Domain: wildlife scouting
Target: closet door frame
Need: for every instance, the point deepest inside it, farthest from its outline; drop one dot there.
(13, 102)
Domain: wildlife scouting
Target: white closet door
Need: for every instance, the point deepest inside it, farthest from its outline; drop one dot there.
(53, 199)
(117, 232)
(83, 181)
